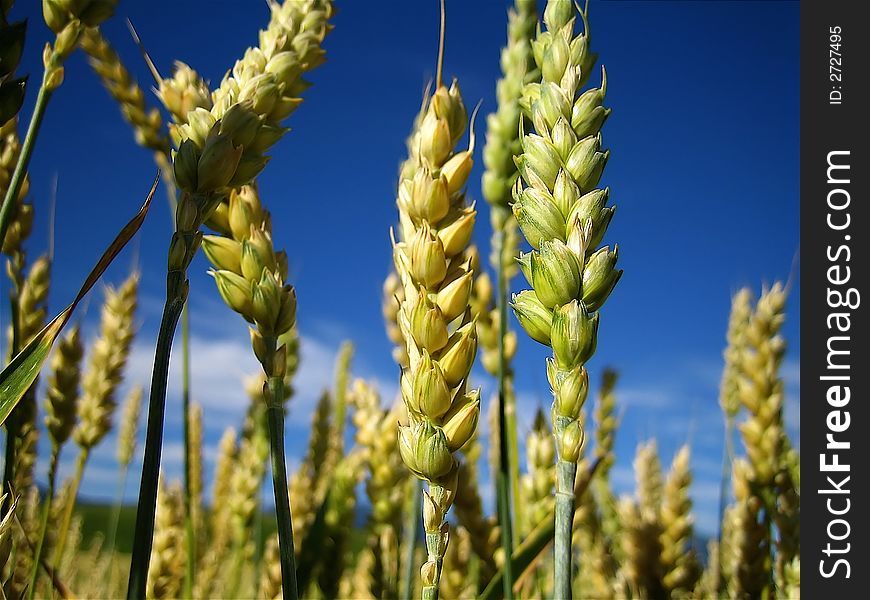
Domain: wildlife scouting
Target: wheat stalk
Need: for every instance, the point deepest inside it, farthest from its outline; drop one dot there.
(218, 150)
(435, 228)
(563, 216)
(499, 344)
(729, 400)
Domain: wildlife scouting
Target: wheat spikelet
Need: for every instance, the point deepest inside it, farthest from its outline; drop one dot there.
(222, 147)
(32, 301)
(222, 489)
(255, 384)
(680, 569)
(707, 585)
(106, 363)
(750, 549)
(318, 442)
(563, 216)
(761, 392)
(760, 387)
(502, 127)
(30, 310)
(338, 521)
(791, 587)
(183, 92)
(597, 566)
(376, 434)
(304, 500)
(648, 473)
(21, 222)
(250, 276)
(27, 513)
(209, 568)
(75, 536)
(21, 212)
(430, 259)
(484, 308)
(606, 425)
(640, 548)
(503, 143)
(26, 441)
(786, 517)
(129, 426)
(606, 422)
(725, 548)
(166, 569)
(7, 520)
(245, 495)
(270, 578)
(538, 483)
(385, 488)
(741, 310)
(194, 419)
(147, 123)
(393, 296)
(63, 387)
(366, 581)
(468, 507)
(456, 581)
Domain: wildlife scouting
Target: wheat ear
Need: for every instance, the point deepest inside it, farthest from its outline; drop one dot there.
(563, 216)
(441, 339)
(375, 433)
(166, 571)
(100, 380)
(680, 568)
(205, 585)
(498, 343)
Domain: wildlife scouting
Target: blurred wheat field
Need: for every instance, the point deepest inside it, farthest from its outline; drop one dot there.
(388, 500)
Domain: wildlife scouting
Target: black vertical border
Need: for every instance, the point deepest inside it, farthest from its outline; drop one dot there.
(825, 128)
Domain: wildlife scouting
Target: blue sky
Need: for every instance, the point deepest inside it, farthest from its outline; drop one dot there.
(704, 169)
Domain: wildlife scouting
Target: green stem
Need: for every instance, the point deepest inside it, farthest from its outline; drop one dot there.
(410, 534)
(503, 486)
(258, 537)
(236, 572)
(504, 476)
(176, 295)
(189, 525)
(12, 422)
(566, 472)
(20, 171)
(727, 457)
(275, 414)
(70, 505)
(116, 517)
(46, 511)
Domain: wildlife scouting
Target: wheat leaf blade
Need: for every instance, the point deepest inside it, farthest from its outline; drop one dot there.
(21, 372)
